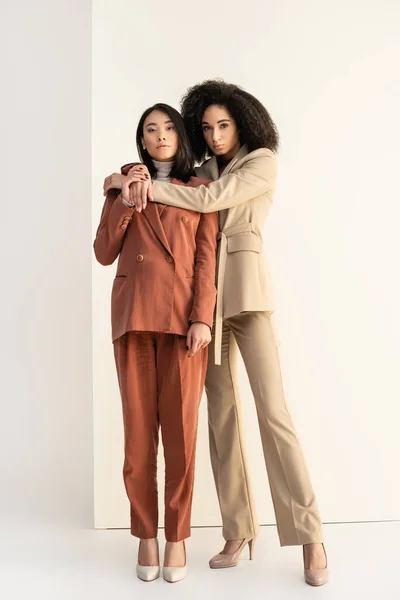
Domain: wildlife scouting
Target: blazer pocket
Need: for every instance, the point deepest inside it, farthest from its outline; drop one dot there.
(118, 276)
(244, 241)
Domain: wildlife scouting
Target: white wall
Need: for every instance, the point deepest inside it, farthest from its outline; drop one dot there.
(328, 72)
(46, 365)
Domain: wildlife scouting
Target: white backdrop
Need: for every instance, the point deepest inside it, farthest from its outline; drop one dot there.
(46, 440)
(328, 73)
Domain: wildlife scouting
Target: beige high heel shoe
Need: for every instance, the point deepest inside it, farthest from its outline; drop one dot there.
(175, 574)
(224, 561)
(316, 577)
(147, 573)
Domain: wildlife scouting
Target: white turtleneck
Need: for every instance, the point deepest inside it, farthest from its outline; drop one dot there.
(163, 170)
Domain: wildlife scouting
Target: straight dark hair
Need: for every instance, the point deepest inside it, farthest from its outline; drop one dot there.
(183, 167)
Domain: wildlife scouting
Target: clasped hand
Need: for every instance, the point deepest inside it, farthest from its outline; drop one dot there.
(137, 195)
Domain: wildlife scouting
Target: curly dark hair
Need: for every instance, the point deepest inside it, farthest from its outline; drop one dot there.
(255, 126)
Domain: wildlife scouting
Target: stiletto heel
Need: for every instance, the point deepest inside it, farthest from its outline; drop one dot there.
(175, 574)
(316, 577)
(147, 573)
(224, 561)
(251, 548)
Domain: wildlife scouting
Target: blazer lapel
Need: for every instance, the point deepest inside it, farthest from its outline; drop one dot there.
(214, 168)
(152, 215)
(241, 154)
(210, 170)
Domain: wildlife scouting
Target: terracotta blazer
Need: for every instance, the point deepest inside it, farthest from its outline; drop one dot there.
(166, 267)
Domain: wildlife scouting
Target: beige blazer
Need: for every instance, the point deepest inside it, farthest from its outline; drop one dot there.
(243, 196)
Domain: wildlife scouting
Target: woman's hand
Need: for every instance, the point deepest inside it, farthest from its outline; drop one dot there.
(113, 181)
(199, 336)
(141, 185)
(140, 169)
(139, 192)
(139, 176)
(116, 180)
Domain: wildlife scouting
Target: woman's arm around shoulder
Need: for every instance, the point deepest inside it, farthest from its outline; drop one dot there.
(255, 176)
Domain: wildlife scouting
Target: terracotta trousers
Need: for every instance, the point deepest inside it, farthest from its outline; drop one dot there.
(160, 387)
(296, 510)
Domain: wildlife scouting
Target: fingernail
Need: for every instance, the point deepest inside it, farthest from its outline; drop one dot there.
(146, 176)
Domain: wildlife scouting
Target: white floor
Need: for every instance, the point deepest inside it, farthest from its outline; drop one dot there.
(58, 564)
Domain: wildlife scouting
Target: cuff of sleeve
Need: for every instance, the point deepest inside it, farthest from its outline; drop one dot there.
(201, 319)
(127, 204)
(191, 322)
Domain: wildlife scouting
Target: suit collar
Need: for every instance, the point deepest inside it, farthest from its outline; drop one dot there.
(152, 215)
(241, 154)
(212, 167)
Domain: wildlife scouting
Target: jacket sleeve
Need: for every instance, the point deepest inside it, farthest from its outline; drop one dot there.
(257, 176)
(114, 221)
(205, 265)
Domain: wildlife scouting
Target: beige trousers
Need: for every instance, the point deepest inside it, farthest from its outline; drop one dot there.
(296, 510)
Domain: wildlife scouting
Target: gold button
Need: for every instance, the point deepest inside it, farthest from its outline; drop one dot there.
(184, 220)
(139, 257)
(169, 259)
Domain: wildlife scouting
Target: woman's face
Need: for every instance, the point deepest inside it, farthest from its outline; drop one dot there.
(220, 132)
(160, 138)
